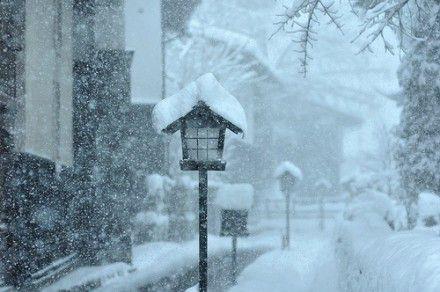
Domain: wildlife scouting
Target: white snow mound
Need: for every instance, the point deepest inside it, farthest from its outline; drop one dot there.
(289, 167)
(235, 197)
(206, 89)
(428, 205)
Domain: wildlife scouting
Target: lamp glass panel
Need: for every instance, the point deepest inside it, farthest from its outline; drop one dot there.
(213, 154)
(192, 154)
(191, 143)
(191, 133)
(202, 154)
(202, 133)
(202, 143)
(213, 133)
(213, 143)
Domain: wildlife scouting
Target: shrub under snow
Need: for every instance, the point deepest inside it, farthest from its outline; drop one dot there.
(428, 209)
(372, 257)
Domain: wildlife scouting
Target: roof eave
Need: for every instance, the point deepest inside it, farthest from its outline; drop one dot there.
(177, 125)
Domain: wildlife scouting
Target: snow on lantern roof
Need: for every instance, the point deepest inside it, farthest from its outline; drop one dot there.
(235, 197)
(207, 90)
(288, 167)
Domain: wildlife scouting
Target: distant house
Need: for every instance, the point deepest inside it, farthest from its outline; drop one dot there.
(285, 123)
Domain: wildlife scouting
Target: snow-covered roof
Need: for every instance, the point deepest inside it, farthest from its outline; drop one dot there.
(288, 167)
(205, 89)
(235, 197)
(237, 40)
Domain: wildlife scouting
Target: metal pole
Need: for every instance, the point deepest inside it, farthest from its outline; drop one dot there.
(287, 219)
(203, 230)
(321, 213)
(234, 260)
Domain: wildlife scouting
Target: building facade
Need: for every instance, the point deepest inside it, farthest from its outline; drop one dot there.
(67, 126)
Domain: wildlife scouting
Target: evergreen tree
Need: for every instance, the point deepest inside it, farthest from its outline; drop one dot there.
(419, 152)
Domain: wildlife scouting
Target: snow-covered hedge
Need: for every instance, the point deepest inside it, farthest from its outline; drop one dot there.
(149, 226)
(374, 205)
(373, 257)
(428, 209)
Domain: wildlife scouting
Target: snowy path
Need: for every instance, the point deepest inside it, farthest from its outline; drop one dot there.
(163, 263)
(218, 269)
(166, 266)
(308, 266)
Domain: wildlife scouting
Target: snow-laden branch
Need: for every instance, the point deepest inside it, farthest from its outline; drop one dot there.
(400, 16)
(191, 57)
(292, 21)
(377, 19)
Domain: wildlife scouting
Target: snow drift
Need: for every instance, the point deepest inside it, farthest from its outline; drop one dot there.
(372, 257)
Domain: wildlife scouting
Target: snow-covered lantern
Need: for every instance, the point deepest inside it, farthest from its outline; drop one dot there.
(234, 201)
(288, 175)
(202, 111)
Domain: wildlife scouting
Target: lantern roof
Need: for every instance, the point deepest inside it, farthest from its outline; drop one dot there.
(205, 90)
(288, 167)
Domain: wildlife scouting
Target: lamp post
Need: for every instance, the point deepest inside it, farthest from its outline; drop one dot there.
(322, 188)
(202, 111)
(288, 174)
(234, 201)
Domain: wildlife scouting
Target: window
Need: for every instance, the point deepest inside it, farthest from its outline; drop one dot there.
(202, 144)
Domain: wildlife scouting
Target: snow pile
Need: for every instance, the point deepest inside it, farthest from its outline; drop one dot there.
(187, 182)
(429, 209)
(235, 197)
(85, 278)
(150, 218)
(205, 89)
(288, 167)
(371, 207)
(193, 289)
(372, 257)
(158, 184)
(377, 260)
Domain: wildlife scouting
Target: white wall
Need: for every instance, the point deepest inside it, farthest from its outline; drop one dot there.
(48, 80)
(144, 36)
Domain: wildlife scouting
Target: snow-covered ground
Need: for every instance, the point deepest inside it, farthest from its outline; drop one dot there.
(309, 265)
(153, 262)
(356, 252)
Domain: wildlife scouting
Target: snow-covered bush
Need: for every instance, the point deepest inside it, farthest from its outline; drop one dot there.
(181, 204)
(370, 205)
(151, 222)
(158, 188)
(149, 226)
(428, 209)
(371, 257)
